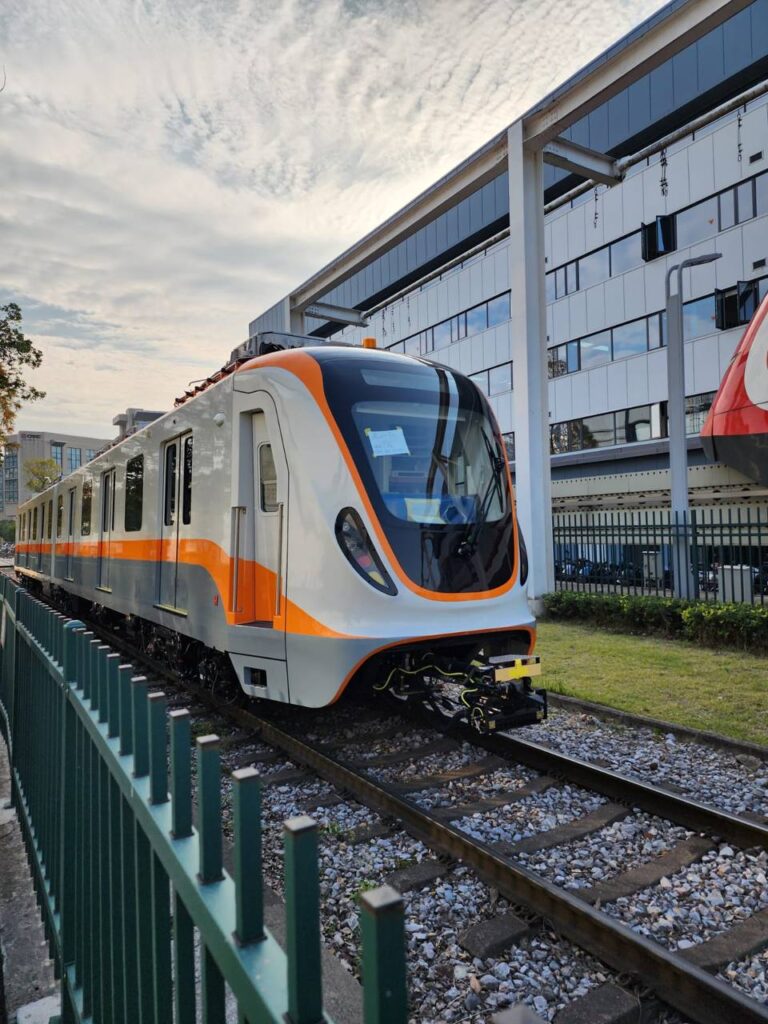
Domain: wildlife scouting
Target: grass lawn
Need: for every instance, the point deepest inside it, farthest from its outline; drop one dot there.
(724, 692)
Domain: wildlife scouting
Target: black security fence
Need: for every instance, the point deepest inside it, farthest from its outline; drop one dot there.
(707, 554)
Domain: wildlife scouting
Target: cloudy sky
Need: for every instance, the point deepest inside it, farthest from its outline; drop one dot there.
(170, 168)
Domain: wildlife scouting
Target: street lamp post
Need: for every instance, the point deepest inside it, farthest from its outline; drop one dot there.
(678, 447)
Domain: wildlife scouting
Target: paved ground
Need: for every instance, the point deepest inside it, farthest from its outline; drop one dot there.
(28, 973)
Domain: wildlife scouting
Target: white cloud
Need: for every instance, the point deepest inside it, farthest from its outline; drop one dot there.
(171, 169)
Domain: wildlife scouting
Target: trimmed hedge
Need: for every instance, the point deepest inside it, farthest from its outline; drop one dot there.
(714, 625)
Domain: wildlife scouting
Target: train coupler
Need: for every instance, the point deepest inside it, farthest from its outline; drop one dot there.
(502, 696)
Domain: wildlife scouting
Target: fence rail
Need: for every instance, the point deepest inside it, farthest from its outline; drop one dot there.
(708, 555)
(144, 924)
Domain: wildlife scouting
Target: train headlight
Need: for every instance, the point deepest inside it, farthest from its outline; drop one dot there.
(360, 553)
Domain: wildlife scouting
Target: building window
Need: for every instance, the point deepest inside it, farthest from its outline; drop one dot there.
(736, 306)
(480, 380)
(626, 254)
(134, 493)
(498, 310)
(57, 453)
(598, 431)
(627, 426)
(658, 237)
(477, 319)
(696, 410)
(90, 453)
(697, 222)
(630, 339)
(727, 202)
(85, 507)
(500, 379)
(698, 317)
(595, 268)
(74, 457)
(595, 350)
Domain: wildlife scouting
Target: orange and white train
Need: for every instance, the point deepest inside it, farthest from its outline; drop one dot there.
(323, 516)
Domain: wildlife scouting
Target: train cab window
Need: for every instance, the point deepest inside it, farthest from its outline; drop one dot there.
(267, 479)
(50, 517)
(134, 493)
(169, 498)
(59, 515)
(186, 484)
(85, 508)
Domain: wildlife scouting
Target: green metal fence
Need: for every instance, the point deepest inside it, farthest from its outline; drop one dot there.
(144, 924)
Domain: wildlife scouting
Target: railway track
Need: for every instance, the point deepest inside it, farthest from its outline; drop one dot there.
(432, 806)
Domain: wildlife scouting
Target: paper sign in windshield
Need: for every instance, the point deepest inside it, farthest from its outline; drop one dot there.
(388, 442)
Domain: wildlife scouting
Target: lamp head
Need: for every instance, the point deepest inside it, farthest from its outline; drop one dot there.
(697, 261)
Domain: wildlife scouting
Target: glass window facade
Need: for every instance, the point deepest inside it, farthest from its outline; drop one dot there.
(74, 459)
(465, 324)
(57, 453)
(627, 426)
(665, 234)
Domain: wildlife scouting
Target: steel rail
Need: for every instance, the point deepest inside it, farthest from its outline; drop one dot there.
(652, 798)
(683, 985)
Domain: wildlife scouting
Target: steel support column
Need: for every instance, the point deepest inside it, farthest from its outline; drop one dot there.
(533, 482)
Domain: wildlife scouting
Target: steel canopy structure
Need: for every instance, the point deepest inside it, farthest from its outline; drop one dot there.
(521, 151)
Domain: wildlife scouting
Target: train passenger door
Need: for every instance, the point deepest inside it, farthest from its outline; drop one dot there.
(176, 515)
(107, 526)
(70, 533)
(270, 474)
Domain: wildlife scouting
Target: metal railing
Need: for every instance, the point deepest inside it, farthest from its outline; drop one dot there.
(709, 555)
(144, 924)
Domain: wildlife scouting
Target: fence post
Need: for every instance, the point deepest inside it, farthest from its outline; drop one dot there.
(246, 800)
(68, 790)
(385, 993)
(302, 925)
(181, 775)
(209, 807)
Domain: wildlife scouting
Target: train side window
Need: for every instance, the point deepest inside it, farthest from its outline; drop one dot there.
(50, 517)
(186, 492)
(85, 508)
(169, 513)
(134, 493)
(34, 523)
(59, 514)
(267, 479)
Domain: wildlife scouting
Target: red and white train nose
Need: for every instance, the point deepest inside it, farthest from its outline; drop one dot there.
(736, 430)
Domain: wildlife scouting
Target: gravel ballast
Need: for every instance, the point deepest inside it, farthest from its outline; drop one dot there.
(707, 898)
(610, 851)
(713, 776)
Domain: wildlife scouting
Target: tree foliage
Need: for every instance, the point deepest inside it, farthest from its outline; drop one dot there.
(17, 353)
(8, 530)
(40, 473)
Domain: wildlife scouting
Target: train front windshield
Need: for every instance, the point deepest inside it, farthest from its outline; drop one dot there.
(433, 467)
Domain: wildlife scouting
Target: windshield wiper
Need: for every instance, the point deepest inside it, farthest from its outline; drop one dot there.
(469, 543)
